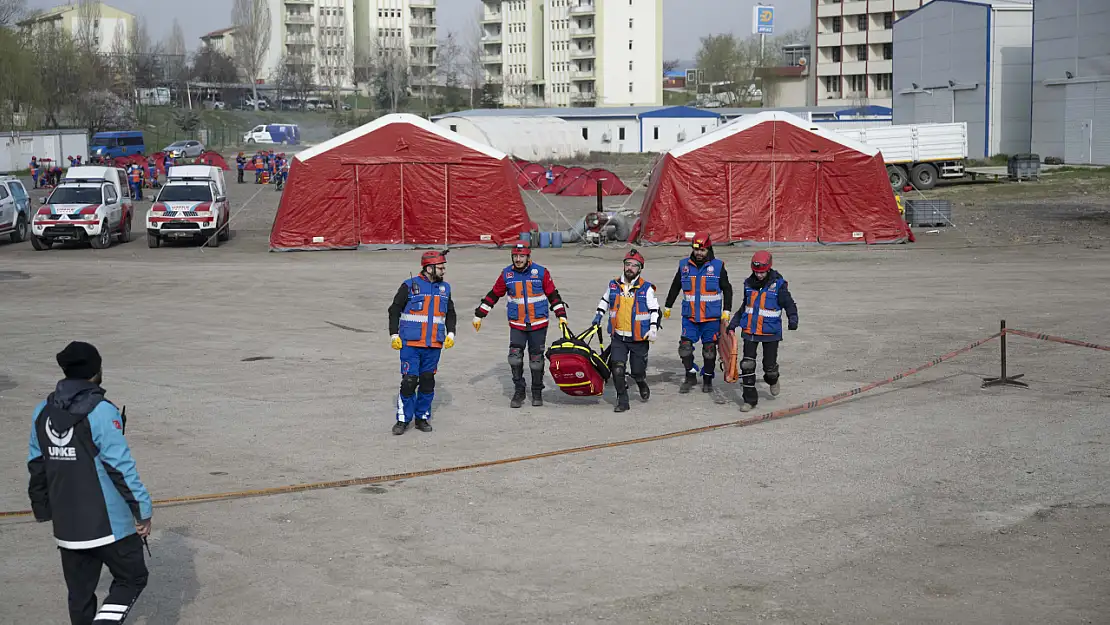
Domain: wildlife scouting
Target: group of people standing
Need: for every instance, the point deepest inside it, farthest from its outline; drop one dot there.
(422, 322)
(45, 173)
(269, 168)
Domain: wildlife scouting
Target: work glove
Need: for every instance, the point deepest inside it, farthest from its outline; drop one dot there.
(395, 341)
(477, 323)
(652, 334)
(793, 325)
(597, 319)
(726, 315)
(562, 321)
(666, 313)
(449, 342)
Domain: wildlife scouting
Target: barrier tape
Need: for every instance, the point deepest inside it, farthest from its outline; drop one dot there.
(1056, 339)
(393, 477)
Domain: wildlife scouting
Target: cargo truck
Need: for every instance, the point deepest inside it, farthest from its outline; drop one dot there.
(917, 154)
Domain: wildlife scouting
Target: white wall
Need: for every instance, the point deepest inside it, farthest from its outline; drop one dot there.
(614, 57)
(16, 151)
(671, 129)
(1070, 36)
(596, 129)
(1011, 76)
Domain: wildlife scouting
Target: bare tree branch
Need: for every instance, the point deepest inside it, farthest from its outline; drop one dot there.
(86, 31)
(11, 11)
(251, 19)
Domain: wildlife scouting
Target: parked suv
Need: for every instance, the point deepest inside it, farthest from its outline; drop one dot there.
(15, 209)
(91, 204)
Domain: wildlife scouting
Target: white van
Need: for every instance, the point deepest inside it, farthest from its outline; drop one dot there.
(91, 204)
(192, 204)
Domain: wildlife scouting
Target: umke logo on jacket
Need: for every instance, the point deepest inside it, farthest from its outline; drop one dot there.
(60, 450)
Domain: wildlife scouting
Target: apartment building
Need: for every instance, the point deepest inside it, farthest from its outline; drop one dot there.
(334, 37)
(222, 41)
(574, 52)
(108, 27)
(855, 50)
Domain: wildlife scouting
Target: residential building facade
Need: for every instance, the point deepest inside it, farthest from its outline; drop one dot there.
(222, 41)
(563, 53)
(855, 50)
(108, 28)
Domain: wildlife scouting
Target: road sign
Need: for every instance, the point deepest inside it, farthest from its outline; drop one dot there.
(763, 20)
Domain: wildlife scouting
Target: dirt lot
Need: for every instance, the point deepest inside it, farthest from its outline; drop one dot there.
(929, 501)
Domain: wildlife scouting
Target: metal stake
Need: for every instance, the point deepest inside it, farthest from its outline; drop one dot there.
(1003, 379)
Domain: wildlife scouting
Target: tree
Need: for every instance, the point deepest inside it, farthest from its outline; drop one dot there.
(295, 77)
(335, 64)
(87, 25)
(11, 11)
(177, 66)
(470, 61)
(251, 19)
(19, 81)
(102, 110)
(391, 83)
(728, 66)
(213, 66)
(449, 68)
(670, 66)
(60, 78)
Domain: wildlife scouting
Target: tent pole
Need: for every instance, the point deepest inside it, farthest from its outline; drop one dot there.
(599, 195)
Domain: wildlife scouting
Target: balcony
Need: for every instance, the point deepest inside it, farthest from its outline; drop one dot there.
(582, 74)
(828, 10)
(880, 6)
(882, 93)
(854, 38)
(491, 38)
(423, 3)
(849, 68)
(491, 59)
(906, 5)
(299, 18)
(302, 2)
(299, 40)
(583, 9)
(491, 18)
(828, 39)
(582, 31)
(585, 53)
(424, 41)
(828, 69)
(854, 8)
(831, 95)
(880, 67)
(584, 97)
(880, 36)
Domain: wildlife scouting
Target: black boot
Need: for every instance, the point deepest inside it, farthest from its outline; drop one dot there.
(621, 384)
(707, 384)
(537, 397)
(645, 392)
(423, 425)
(399, 428)
(689, 383)
(518, 382)
(622, 402)
(537, 385)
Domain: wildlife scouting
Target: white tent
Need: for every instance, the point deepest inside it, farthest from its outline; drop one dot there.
(536, 139)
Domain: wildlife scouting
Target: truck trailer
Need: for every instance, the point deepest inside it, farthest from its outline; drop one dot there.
(917, 154)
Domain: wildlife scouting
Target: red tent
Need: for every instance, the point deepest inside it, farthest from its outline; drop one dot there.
(586, 184)
(531, 176)
(563, 178)
(772, 177)
(214, 159)
(399, 181)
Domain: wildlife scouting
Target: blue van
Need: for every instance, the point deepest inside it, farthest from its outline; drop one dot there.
(287, 134)
(116, 143)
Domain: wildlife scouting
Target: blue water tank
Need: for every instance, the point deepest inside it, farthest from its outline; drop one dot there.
(526, 237)
(545, 239)
(556, 239)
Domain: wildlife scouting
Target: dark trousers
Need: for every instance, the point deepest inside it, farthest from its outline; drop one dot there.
(627, 354)
(81, 567)
(747, 367)
(240, 176)
(534, 342)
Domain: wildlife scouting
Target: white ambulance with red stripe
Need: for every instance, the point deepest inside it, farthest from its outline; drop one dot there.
(90, 204)
(192, 205)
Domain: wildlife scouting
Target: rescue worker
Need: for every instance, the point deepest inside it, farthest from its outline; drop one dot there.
(421, 324)
(633, 311)
(766, 297)
(72, 161)
(167, 162)
(258, 167)
(707, 299)
(532, 294)
(135, 181)
(241, 165)
(35, 171)
(152, 173)
(84, 480)
(78, 160)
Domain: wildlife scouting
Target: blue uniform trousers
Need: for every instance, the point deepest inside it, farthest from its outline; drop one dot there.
(421, 362)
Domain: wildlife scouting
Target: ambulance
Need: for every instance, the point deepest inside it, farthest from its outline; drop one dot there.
(191, 205)
(90, 204)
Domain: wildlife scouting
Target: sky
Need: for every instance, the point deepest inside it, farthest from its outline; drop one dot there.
(684, 20)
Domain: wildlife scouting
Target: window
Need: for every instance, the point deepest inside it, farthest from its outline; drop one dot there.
(630, 66)
(620, 133)
(861, 52)
(655, 132)
(832, 84)
(857, 83)
(630, 22)
(883, 82)
(630, 87)
(110, 196)
(836, 54)
(3, 193)
(585, 133)
(888, 51)
(861, 22)
(703, 130)
(888, 21)
(454, 128)
(835, 24)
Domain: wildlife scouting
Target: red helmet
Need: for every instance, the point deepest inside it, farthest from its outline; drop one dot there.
(636, 256)
(522, 247)
(761, 260)
(433, 258)
(701, 241)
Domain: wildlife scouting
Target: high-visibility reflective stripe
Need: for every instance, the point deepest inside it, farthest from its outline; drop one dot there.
(764, 312)
(711, 298)
(642, 317)
(86, 544)
(421, 318)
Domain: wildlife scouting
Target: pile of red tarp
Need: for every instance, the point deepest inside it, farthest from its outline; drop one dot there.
(212, 159)
(568, 181)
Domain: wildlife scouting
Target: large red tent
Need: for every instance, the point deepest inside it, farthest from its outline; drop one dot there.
(774, 178)
(399, 181)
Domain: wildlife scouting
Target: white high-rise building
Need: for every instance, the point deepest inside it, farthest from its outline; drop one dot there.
(854, 57)
(334, 37)
(574, 52)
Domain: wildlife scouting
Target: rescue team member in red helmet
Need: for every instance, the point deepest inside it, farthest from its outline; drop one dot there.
(421, 324)
(633, 321)
(766, 297)
(531, 292)
(707, 299)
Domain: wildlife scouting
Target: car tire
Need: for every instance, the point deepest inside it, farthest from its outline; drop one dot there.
(225, 233)
(125, 231)
(897, 175)
(41, 244)
(212, 241)
(250, 141)
(153, 241)
(103, 240)
(924, 176)
(19, 235)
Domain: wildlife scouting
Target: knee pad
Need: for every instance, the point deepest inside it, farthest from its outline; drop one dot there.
(772, 370)
(516, 356)
(408, 385)
(427, 382)
(747, 365)
(619, 369)
(535, 362)
(709, 351)
(685, 348)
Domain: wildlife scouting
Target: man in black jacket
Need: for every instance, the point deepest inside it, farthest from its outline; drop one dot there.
(83, 478)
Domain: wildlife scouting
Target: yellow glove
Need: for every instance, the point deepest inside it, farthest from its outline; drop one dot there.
(666, 313)
(477, 323)
(449, 342)
(726, 315)
(562, 321)
(395, 342)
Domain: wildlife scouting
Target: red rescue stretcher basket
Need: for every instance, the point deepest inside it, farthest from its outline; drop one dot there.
(578, 370)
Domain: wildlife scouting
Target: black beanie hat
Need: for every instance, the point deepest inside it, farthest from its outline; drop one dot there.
(79, 361)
